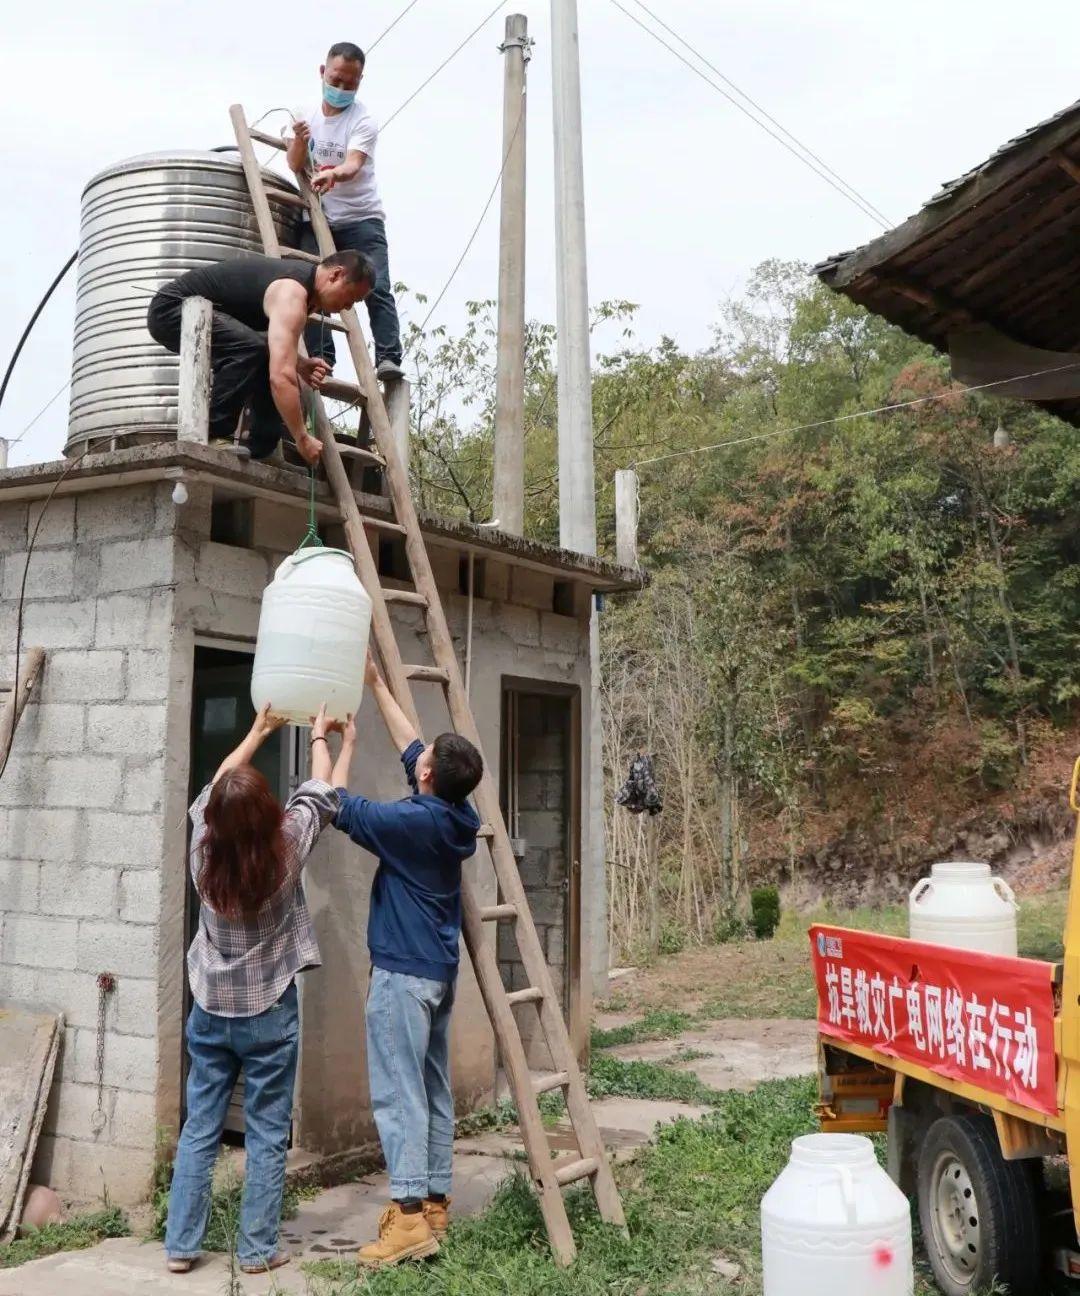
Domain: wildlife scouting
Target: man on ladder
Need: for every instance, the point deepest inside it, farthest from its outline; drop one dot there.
(261, 305)
(335, 140)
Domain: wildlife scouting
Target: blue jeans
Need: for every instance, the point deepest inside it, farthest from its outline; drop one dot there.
(266, 1047)
(369, 238)
(408, 1047)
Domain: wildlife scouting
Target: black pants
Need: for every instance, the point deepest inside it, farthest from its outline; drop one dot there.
(240, 362)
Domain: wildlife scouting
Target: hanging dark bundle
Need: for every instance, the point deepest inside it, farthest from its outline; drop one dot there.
(639, 793)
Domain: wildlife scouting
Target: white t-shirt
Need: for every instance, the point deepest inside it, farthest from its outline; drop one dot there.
(332, 137)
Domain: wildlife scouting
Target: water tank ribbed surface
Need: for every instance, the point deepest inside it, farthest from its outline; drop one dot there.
(145, 221)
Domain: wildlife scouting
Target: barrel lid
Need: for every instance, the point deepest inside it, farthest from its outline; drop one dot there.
(224, 161)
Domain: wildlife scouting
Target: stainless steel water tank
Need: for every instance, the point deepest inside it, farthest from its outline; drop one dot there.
(145, 221)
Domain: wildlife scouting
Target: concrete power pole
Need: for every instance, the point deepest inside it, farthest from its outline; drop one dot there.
(508, 502)
(577, 498)
(577, 502)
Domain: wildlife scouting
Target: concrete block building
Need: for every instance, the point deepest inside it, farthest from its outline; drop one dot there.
(147, 611)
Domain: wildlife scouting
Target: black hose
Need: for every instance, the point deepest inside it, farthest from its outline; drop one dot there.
(32, 321)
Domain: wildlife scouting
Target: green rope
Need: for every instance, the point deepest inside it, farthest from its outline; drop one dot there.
(311, 536)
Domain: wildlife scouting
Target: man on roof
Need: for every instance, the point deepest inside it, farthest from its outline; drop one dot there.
(335, 143)
(261, 305)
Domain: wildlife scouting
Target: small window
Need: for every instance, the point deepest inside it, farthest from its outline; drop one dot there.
(231, 522)
(562, 598)
(479, 573)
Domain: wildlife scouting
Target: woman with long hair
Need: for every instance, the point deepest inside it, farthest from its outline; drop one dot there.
(255, 935)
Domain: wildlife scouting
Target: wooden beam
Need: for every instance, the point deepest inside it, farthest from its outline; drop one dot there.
(16, 703)
(1071, 168)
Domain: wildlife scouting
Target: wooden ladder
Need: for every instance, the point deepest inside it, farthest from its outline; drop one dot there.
(17, 695)
(549, 1174)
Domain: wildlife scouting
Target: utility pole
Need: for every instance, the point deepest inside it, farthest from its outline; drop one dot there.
(577, 495)
(3, 453)
(577, 502)
(508, 501)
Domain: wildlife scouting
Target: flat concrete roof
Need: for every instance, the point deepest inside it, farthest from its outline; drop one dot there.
(171, 460)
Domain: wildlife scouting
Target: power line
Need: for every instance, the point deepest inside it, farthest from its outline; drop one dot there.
(55, 396)
(850, 196)
(465, 251)
(451, 56)
(856, 414)
(387, 30)
(764, 111)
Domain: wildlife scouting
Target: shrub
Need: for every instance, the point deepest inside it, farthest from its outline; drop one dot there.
(765, 911)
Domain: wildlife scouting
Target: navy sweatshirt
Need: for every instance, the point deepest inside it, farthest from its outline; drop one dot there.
(415, 919)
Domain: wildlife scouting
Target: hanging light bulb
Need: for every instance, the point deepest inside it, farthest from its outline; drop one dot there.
(179, 493)
(1001, 436)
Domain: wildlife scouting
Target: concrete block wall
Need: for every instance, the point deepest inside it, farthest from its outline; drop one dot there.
(82, 814)
(545, 868)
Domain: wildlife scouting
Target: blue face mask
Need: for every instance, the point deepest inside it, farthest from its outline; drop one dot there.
(336, 97)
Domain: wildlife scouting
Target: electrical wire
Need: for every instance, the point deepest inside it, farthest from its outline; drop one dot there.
(55, 396)
(387, 30)
(764, 111)
(465, 252)
(30, 324)
(22, 595)
(449, 58)
(856, 414)
(864, 208)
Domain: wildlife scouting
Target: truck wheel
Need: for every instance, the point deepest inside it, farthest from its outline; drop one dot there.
(979, 1212)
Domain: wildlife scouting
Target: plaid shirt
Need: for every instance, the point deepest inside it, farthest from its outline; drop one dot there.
(240, 967)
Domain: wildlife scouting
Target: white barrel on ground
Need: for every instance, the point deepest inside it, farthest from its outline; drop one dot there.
(835, 1224)
(963, 905)
(313, 636)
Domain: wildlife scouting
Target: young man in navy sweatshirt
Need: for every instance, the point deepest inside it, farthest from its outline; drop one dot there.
(413, 929)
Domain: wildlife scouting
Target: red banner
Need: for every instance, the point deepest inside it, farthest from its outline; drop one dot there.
(962, 1014)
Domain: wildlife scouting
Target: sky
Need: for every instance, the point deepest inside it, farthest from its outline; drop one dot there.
(684, 196)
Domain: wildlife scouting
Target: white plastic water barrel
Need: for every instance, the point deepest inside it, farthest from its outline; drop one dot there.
(964, 905)
(835, 1224)
(313, 635)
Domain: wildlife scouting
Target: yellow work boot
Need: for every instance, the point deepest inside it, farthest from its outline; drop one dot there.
(401, 1237)
(437, 1214)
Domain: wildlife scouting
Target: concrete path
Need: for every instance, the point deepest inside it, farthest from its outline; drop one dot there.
(736, 1055)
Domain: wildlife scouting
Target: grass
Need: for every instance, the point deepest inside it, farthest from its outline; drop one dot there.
(73, 1235)
(763, 979)
(690, 1198)
(224, 1208)
(660, 1023)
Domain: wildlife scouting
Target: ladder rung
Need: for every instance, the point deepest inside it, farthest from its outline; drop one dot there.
(499, 913)
(485, 832)
(298, 254)
(556, 1080)
(427, 674)
(382, 524)
(532, 995)
(342, 390)
(358, 452)
(327, 321)
(404, 596)
(275, 141)
(568, 1172)
(291, 200)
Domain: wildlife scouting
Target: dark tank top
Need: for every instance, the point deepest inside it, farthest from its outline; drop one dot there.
(238, 287)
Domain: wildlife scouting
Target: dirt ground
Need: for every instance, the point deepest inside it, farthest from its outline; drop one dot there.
(744, 979)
